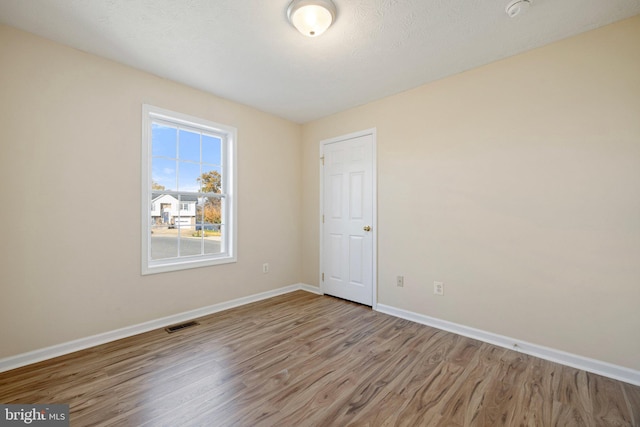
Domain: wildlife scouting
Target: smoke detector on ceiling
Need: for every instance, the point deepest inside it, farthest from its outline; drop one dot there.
(517, 7)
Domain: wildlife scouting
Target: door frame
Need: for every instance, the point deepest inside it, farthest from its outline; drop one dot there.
(374, 183)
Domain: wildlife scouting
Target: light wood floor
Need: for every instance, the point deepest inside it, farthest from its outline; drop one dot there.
(307, 360)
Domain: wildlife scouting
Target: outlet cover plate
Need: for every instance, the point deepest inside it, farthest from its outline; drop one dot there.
(438, 288)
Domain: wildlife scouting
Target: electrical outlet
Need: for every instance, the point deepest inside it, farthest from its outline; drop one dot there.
(438, 288)
(400, 281)
(265, 267)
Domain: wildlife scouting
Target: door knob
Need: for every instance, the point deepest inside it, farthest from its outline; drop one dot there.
(367, 228)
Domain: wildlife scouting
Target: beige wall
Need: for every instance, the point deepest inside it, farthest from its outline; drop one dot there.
(70, 185)
(517, 184)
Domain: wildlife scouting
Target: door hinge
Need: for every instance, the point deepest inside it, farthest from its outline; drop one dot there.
(322, 158)
(323, 277)
(323, 219)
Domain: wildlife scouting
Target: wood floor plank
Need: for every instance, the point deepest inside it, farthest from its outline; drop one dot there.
(464, 404)
(536, 394)
(306, 360)
(609, 403)
(632, 397)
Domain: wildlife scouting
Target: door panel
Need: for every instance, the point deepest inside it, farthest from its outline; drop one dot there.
(356, 267)
(347, 251)
(335, 264)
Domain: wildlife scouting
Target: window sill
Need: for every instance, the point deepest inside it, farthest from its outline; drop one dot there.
(184, 264)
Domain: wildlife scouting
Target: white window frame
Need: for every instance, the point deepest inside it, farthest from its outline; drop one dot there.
(228, 135)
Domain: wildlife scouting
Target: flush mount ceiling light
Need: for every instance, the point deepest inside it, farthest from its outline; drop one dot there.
(517, 7)
(311, 17)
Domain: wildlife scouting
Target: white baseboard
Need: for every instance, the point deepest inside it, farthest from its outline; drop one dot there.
(313, 289)
(13, 362)
(579, 362)
(591, 365)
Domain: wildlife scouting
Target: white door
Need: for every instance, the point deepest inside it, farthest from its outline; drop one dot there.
(347, 253)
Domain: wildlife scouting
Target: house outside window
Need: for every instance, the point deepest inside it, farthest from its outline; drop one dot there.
(189, 192)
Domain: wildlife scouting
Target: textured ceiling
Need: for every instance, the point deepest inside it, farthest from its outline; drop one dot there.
(246, 51)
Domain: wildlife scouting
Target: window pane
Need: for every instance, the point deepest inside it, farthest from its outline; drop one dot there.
(212, 210)
(190, 245)
(163, 174)
(200, 210)
(164, 139)
(211, 179)
(190, 242)
(211, 150)
(207, 226)
(186, 213)
(164, 242)
(155, 213)
(188, 177)
(212, 240)
(214, 207)
(189, 145)
(186, 208)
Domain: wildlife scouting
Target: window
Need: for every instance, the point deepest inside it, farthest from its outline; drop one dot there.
(188, 191)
